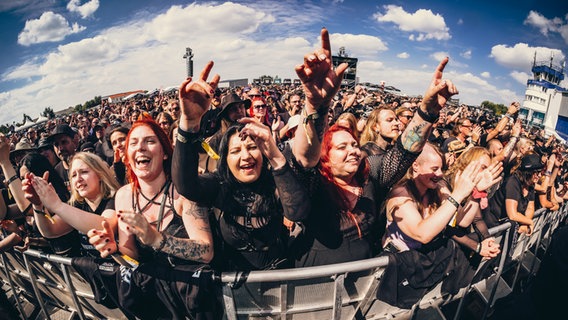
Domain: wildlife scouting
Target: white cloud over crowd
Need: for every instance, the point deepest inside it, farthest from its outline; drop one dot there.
(50, 27)
(85, 10)
(422, 24)
(245, 41)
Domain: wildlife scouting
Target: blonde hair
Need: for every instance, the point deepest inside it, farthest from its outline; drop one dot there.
(107, 181)
(471, 154)
(369, 133)
(352, 120)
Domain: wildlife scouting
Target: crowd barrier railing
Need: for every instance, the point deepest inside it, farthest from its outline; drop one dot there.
(340, 291)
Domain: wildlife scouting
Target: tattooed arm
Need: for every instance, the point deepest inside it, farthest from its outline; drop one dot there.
(389, 168)
(199, 246)
(435, 98)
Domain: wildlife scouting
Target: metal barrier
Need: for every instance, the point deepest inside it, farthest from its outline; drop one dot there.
(339, 291)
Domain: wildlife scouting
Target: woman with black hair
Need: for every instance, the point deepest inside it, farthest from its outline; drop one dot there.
(252, 190)
(515, 198)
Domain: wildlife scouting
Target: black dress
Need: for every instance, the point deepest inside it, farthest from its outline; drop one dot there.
(248, 217)
(331, 236)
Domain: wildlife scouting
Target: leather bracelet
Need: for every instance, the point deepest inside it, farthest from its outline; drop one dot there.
(12, 179)
(432, 118)
(454, 202)
(478, 249)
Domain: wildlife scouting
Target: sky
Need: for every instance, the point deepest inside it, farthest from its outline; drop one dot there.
(59, 54)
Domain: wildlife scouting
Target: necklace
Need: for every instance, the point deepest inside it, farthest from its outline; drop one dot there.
(152, 200)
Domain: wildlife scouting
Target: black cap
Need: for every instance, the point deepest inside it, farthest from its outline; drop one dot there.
(43, 143)
(60, 129)
(531, 162)
(88, 146)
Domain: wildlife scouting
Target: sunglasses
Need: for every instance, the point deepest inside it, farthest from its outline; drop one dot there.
(261, 106)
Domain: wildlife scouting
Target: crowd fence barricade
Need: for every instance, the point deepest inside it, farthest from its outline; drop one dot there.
(340, 291)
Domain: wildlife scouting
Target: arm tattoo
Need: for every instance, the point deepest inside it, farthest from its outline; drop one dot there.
(415, 137)
(509, 148)
(198, 212)
(186, 249)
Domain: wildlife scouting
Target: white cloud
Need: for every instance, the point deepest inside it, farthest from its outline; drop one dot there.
(546, 25)
(486, 74)
(422, 24)
(520, 77)
(357, 45)
(50, 27)
(521, 56)
(466, 54)
(438, 56)
(403, 55)
(146, 53)
(85, 10)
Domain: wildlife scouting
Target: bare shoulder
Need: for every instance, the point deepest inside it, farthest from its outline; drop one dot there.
(123, 198)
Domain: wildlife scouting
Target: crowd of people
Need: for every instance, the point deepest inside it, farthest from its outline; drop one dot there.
(272, 177)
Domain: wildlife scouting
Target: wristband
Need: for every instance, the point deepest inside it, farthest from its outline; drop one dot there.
(427, 116)
(454, 202)
(12, 179)
(548, 173)
(478, 249)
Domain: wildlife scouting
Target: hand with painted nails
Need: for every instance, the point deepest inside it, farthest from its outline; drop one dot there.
(139, 226)
(103, 240)
(439, 91)
(195, 98)
(264, 140)
(319, 80)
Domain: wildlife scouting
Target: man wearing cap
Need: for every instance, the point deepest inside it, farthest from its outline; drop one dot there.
(209, 123)
(233, 108)
(46, 149)
(63, 140)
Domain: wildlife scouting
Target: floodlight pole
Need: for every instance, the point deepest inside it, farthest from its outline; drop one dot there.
(189, 57)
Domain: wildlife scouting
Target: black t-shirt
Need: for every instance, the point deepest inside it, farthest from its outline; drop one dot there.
(511, 189)
(87, 249)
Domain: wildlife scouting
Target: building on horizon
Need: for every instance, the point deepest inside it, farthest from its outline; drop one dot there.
(546, 102)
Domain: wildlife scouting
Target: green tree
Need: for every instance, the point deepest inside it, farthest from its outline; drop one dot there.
(498, 108)
(48, 113)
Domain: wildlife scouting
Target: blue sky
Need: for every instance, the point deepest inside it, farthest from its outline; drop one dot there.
(61, 53)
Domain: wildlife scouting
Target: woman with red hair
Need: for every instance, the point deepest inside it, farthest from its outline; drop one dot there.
(158, 228)
(349, 190)
(259, 110)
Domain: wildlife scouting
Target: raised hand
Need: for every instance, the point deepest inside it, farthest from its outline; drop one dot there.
(263, 139)
(139, 226)
(467, 180)
(195, 98)
(103, 240)
(490, 176)
(4, 148)
(29, 189)
(513, 108)
(46, 192)
(439, 91)
(319, 80)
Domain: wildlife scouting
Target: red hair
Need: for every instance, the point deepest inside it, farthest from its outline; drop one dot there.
(251, 108)
(146, 120)
(336, 193)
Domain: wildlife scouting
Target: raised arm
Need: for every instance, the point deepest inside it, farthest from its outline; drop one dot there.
(320, 83)
(416, 133)
(389, 168)
(13, 182)
(195, 98)
(65, 214)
